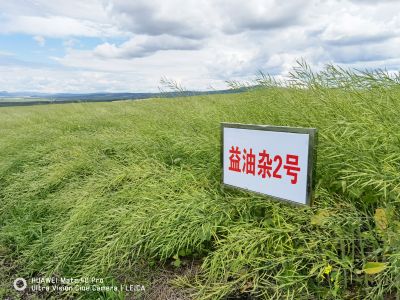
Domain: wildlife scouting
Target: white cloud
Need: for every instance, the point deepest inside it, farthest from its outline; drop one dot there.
(141, 46)
(18, 78)
(70, 43)
(356, 30)
(184, 18)
(40, 40)
(6, 53)
(192, 19)
(200, 43)
(56, 26)
(259, 15)
(91, 10)
(147, 71)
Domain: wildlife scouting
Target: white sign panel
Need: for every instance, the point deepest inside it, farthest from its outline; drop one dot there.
(274, 161)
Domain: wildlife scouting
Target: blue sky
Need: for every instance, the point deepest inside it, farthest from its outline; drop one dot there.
(122, 45)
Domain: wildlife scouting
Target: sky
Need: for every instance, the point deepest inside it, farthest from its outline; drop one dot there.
(129, 45)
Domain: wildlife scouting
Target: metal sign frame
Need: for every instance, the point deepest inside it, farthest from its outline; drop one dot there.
(312, 156)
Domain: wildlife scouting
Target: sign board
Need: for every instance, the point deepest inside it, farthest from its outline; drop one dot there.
(274, 161)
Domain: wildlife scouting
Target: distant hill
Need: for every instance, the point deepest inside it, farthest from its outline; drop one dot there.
(32, 98)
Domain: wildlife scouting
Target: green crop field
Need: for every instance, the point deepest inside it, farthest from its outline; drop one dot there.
(130, 192)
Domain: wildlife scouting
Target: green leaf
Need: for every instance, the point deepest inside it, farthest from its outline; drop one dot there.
(381, 219)
(320, 217)
(355, 192)
(177, 263)
(344, 185)
(374, 267)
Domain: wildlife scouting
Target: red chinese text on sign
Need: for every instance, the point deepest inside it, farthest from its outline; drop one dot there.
(264, 164)
(267, 167)
(249, 166)
(234, 159)
(291, 166)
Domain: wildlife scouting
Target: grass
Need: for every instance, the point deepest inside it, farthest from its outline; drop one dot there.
(121, 190)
